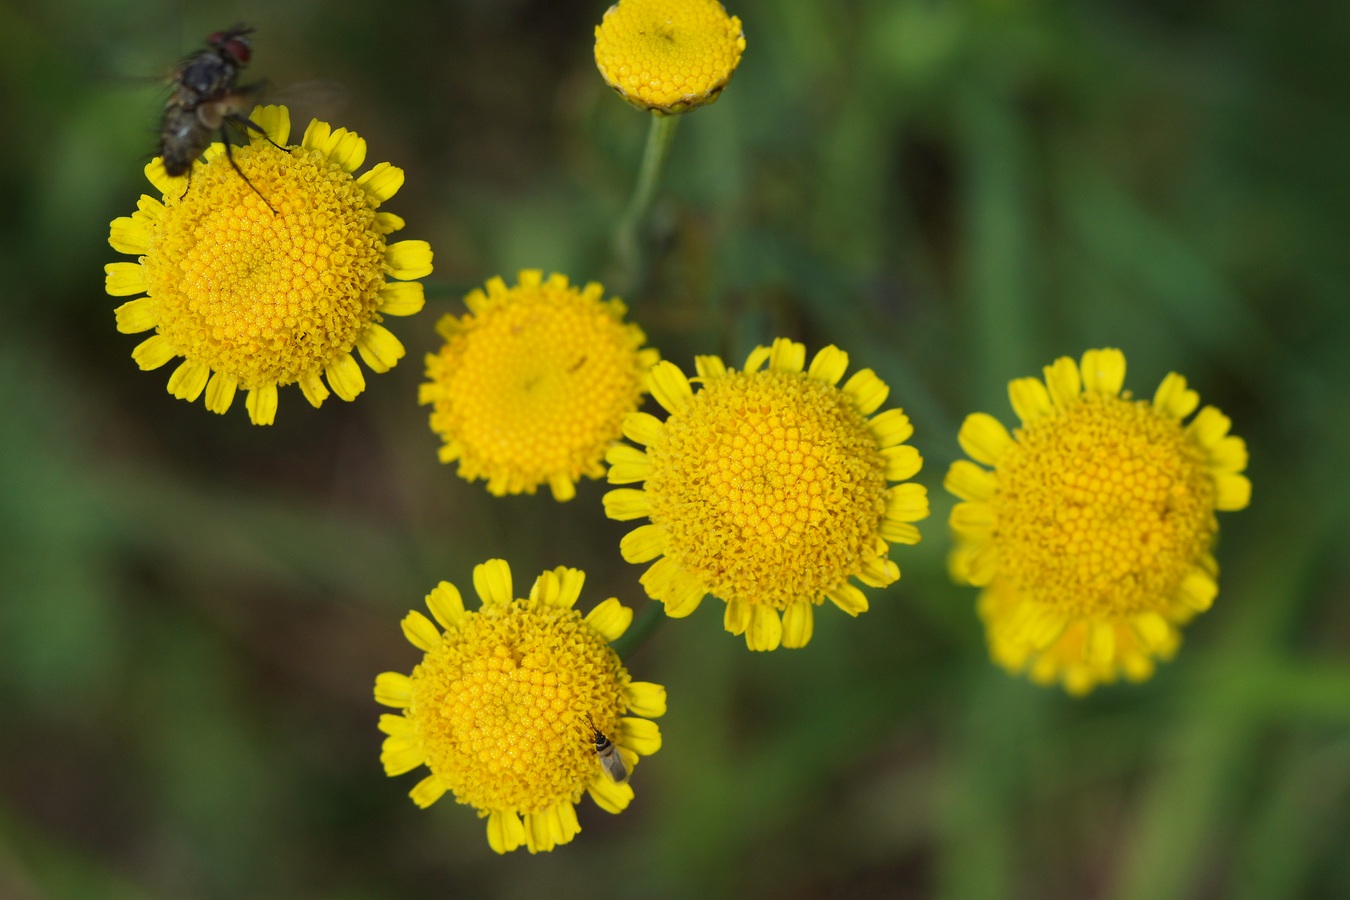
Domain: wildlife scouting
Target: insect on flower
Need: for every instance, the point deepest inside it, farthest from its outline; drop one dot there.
(205, 98)
(610, 760)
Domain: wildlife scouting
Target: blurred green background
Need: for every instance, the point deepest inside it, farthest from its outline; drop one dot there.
(192, 609)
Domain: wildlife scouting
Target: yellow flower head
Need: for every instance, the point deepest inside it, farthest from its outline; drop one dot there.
(501, 707)
(767, 488)
(532, 385)
(257, 299)
(668, 56)
(1091, 536)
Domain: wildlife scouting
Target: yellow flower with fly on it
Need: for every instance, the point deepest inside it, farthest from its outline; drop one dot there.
(668, 56)
(532, 384)
(1091, 531)
(502, 707)
(256, 298)
(768, 488)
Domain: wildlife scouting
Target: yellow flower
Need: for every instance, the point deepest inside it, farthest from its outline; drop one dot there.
(1091, 536)
(668, 56)
(532, 385)
(258, 300)
(767, 488)
(501, 705)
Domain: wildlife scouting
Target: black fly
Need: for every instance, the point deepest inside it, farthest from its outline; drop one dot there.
(205, 98)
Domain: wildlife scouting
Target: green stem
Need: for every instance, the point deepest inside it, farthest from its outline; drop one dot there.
(644, 626)
(627, 239)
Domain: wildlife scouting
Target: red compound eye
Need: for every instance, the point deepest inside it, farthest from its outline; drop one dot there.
(239, 49)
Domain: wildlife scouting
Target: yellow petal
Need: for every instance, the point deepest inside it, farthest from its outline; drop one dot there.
(419, 631)
(668, 386)
(492, 581)
(379, 348)
(757, 358)
(973, 519)
(798, 624)
(644, 543)
(1209, 427)
(220, 392)
(313, 389)
(684, 596)
(1100, 648)
(505, 831)
(1063, 381)
(766, 629)
(902, 462)
(907, 502)
(1198, 590)
(642, 736)
(1030, 399)
(275, 122)
(969, 482)
(562, 486)
(829, 365)
(983, 438)
(401, 298)
(1174, 399)
(261, 403)
(428, 791)
(381, 182)
(189, 380)
(708, 368)
(345, 378)
(136, 316)
(1103, 371)
(1234, 492)
(849, 599)
(1228, 456)
(166, 184)
(787, 356)
(641, 428)
(399, 755)
(877, 572)
(611, 619)
(446, 605)
(611, 797)
(891, 427)
(899, 532)
(406, 260)
(867, 390)
(627, 464)
(626, 504)
(393, 689)
(646, 699)
(736, 617)
(124, 279)
(129, 235)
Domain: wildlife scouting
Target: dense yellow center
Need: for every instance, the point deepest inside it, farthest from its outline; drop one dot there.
(1103, 508)
(770, 487)
(267, 298)
(537, 386)
(668, 54)
(500, 705)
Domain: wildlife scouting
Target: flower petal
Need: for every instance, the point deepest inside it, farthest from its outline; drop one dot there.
(492, 581)
(611, 619)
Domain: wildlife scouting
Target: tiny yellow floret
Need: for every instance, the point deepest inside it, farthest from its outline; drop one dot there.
(272, 281)
(532, 384)
(500, 709)
(1091, 531)
(668, 56)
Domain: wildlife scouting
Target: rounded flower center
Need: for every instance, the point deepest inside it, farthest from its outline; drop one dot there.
(500, 705)
(267, 298)
(1103, 508)
(538, 388)
(668, 55)
(770, 486)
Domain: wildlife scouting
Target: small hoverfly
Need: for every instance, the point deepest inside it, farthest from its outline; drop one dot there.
(205, 99)
(610, 760)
